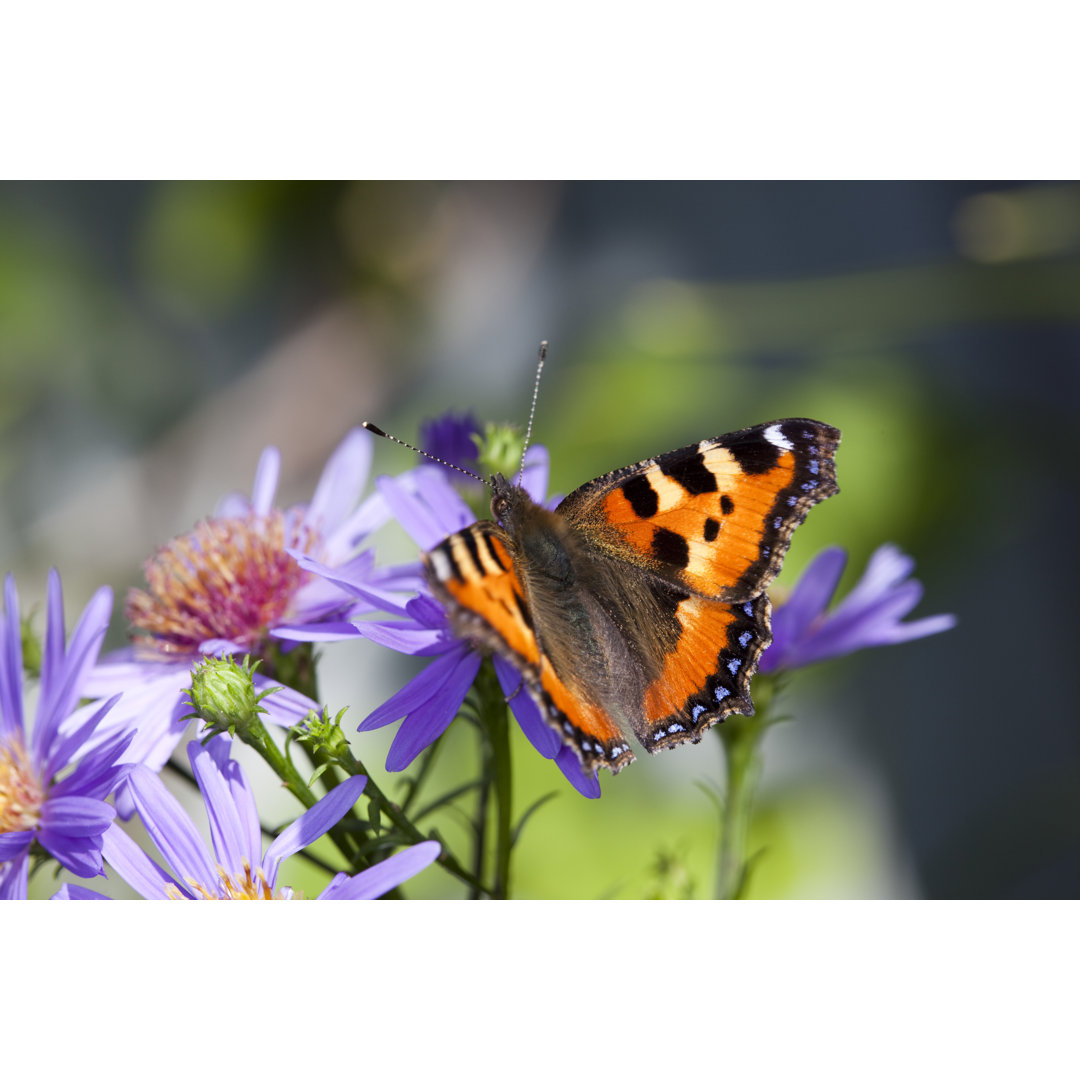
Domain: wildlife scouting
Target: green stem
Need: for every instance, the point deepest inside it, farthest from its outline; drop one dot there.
(741, 736)
(297, 669)
(493, 715)
(257, 737)
(480, 830)
(343, 756)
(497, 724)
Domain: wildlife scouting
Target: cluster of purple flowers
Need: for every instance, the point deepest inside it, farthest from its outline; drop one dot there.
(253, 576)
(218, 591)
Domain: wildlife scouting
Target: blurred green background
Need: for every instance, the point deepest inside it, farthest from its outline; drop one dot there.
(155, 336)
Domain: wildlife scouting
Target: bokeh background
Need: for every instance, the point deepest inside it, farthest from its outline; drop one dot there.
(155, 336)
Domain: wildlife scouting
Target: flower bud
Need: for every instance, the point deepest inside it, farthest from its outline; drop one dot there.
(323, 734)
(222, 694)
(500, 449)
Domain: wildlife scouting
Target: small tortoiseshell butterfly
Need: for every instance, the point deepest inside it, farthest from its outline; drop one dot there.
(638, 604)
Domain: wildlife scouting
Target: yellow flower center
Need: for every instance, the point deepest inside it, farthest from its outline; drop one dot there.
(247, 885)
(229, 578)
(21, 794)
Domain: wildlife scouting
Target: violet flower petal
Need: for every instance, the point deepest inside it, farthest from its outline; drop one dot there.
(312, 823)
(355, 584)
(75, 815)
(421, 689)
(451, 512)
(423, 726)
(844, 631)
(229, 823)
(64, 750)
(120, 671)
(136, 867)
(381, 878)
(431, 511)
(53, 655)
(888, 566)
(12, 843)
(544, 738)
(342, 481)
(220, 749)
(811, 595)
(79, 854)
(370, 515)
(169, 826)
(324, 630)
(63, 680)
(450, 437)
(11, 702)
(267, 473)
(15, 877)
(587, 784)
(152, 706)
(410, 512)
(535, 477)
(76, 892)
(406, 639)
(868, 616)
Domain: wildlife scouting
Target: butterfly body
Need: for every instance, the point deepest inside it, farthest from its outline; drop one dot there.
(638, 604)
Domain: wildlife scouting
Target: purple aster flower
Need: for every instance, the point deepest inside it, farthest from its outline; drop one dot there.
(238, 868)
(869, 615)
(68, 815)
(233, 583)
(450, 438)
(429, 508)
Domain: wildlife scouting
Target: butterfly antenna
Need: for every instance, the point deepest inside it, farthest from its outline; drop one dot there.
(376, 430)
(532, 408)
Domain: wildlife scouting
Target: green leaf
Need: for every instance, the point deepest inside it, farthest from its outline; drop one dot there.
(447, 799)
(515, 834)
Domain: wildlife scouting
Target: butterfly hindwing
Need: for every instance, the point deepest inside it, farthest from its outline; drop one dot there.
(706, 675)
(715, 517)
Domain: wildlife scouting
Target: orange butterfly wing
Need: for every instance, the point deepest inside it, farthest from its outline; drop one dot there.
(472, 572)
(716, 517)
(706, 676)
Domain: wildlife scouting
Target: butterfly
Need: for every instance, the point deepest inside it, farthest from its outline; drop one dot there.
(638, 604)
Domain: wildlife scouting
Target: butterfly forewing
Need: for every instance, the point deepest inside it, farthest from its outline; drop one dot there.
(715, 517)
(475, 575)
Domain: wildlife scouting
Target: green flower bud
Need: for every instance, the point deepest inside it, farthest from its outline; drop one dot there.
(323, 734)
(222, 694)
(499, 449)
(31, 648)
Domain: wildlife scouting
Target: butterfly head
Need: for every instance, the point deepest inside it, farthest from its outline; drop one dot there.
(505, 498)
(514, 508)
